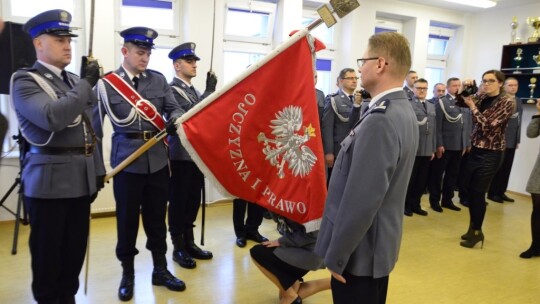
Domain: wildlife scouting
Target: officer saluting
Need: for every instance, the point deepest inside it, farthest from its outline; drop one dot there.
(187, 181)
(142, 187)
(61, 171)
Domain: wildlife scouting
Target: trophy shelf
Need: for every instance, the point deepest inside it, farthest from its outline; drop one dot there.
(522, 61)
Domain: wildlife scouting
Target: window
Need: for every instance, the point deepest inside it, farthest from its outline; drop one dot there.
(324, 75)
(437, 45)
(235, 63)
(158, 14)
(322, 32)
(253, 22)
(388, 25)
(30, 8)
(439, 40)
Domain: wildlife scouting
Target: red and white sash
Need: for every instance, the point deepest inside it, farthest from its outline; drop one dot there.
(143, 107)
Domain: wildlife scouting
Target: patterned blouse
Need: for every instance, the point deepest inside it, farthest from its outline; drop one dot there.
(490, 121)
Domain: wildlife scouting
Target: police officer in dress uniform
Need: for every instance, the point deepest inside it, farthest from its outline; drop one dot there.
(361, 227)
(187, 181)
(143, 186)
(61, 171)
(335, 120)
(412, 76)
(425, 117)
(454, 125)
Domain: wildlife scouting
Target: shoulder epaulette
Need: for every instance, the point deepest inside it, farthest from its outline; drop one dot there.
(28, 69)
(150, 71)
(381, 107)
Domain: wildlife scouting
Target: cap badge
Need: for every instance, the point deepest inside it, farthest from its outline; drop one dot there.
(64, 16)
(150, 33)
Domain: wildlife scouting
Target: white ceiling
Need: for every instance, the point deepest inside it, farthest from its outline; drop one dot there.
(501, 4)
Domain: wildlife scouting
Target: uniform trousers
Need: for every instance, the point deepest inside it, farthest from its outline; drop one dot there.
(254, 217)
(481, 167)
(417, 182)
(58, 239)
(141, 195)
(499, 184)
(186, 184)
(447, 165)
(359, 290)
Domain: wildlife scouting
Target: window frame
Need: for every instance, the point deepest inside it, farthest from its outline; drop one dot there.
(174, 33)
(254, 6)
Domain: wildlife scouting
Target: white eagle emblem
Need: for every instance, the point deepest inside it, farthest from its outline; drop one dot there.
(288, 146)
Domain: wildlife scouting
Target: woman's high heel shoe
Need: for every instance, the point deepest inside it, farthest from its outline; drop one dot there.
(529, 253)
(466, 235)
(298, 300)
(473, 238)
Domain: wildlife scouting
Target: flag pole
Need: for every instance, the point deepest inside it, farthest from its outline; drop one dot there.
(340, 7)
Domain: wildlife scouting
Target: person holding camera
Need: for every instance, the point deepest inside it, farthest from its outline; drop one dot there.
(62, 171)
(491, 111)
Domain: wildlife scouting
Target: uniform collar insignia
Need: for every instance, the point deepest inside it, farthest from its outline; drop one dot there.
(143, 74)
(183, 85)
(122, 74)
(48, 76)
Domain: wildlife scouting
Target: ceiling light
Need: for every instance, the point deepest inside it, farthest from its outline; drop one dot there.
(476, 3)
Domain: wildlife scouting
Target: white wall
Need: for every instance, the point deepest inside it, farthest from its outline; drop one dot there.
(481, 36)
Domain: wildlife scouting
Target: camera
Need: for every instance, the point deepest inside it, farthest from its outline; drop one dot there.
(365, 94)
(467, 91)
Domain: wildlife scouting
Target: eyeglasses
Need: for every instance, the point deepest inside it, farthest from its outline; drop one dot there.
(360, 62)
(421, 89)
(488, 81)
(351, 78)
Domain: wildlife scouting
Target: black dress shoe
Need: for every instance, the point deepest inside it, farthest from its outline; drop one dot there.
(420, 211)
(183, 259)
(241, 242)
(162, 277)
(256, 237)
(196, 252)
(436, 208)
(451, 206)
(507, 199)
(496, 199)
(408, 212)
(267, 215)
(125, 291)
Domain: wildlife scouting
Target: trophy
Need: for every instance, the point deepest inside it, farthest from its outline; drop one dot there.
(534, 22)
(532, 86)
(514, 39)
(518, 59)
(536, 58)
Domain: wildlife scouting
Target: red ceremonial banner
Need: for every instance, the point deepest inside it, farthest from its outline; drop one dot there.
(261, 140)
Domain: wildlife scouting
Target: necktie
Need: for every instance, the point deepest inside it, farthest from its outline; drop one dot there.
(66, 79)
(424, 104)
(135, 82)
(194, 93)
(351, 97)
